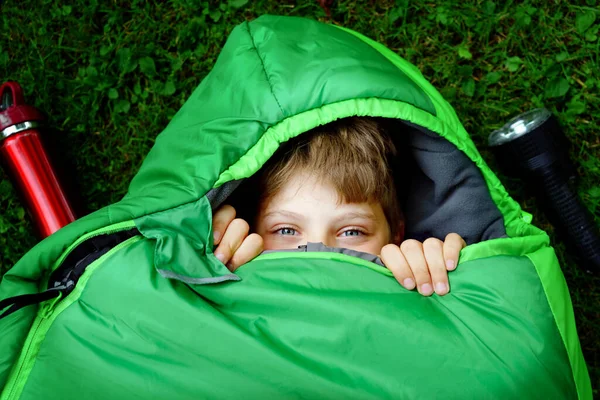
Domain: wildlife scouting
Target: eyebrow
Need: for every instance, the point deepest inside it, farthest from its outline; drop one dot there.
(284, 213)
(351, 214)
(358, 215)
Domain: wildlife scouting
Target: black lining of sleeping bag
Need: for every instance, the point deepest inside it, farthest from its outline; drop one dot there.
(64, 279)
(86, 253)
(446, 191)
(217, 196)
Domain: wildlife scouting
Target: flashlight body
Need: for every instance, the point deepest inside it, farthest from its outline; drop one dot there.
(569, 215)
(26, 161)
(540, 157)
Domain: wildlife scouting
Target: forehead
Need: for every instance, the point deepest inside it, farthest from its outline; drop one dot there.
(306, 187)
(305, 191)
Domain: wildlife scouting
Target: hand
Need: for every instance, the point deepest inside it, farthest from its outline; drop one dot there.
(234, 246)
(424, 265)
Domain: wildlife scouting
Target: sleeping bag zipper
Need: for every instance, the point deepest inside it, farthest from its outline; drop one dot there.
(320, 247)
(50, 310)
(63, 280)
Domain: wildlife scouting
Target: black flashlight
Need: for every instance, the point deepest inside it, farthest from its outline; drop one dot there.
(533, 146)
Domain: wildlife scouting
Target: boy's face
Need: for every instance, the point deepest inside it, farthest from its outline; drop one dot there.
(305, 211)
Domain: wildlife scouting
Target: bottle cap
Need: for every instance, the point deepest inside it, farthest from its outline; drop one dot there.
(15, 115)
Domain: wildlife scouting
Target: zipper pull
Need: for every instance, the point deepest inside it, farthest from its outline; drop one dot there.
(48, 306)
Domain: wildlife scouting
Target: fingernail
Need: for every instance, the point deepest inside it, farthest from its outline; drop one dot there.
(426, 289)
(220, 256)
(409, 284)
(450, 265)
(216, 236)
(441, 288)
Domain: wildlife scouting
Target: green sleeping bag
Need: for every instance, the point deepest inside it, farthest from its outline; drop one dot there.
(129, 302)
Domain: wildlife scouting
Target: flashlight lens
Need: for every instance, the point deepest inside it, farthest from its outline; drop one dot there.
(519, 126)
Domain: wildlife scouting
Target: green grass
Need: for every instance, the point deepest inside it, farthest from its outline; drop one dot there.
(110, 74)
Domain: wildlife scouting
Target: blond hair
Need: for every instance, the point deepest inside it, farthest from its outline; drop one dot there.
(351, 154)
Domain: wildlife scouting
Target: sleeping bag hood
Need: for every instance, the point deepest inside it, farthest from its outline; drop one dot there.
(130, 302)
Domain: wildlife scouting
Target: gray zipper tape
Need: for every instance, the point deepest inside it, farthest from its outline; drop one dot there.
(317, 247)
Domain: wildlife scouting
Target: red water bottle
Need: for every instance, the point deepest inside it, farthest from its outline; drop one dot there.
(27, 162)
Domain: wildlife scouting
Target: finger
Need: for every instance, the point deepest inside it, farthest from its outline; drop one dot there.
(394, 260)
(250, 248)
(232, 239)
(434, 255)
(221, 220)
(453, 244)
(413, 252)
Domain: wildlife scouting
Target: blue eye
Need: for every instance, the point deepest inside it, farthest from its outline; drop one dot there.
(286, 231)
(352, 232)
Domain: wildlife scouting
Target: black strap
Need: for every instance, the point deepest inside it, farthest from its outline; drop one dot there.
(17, 302)
(64, 279)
